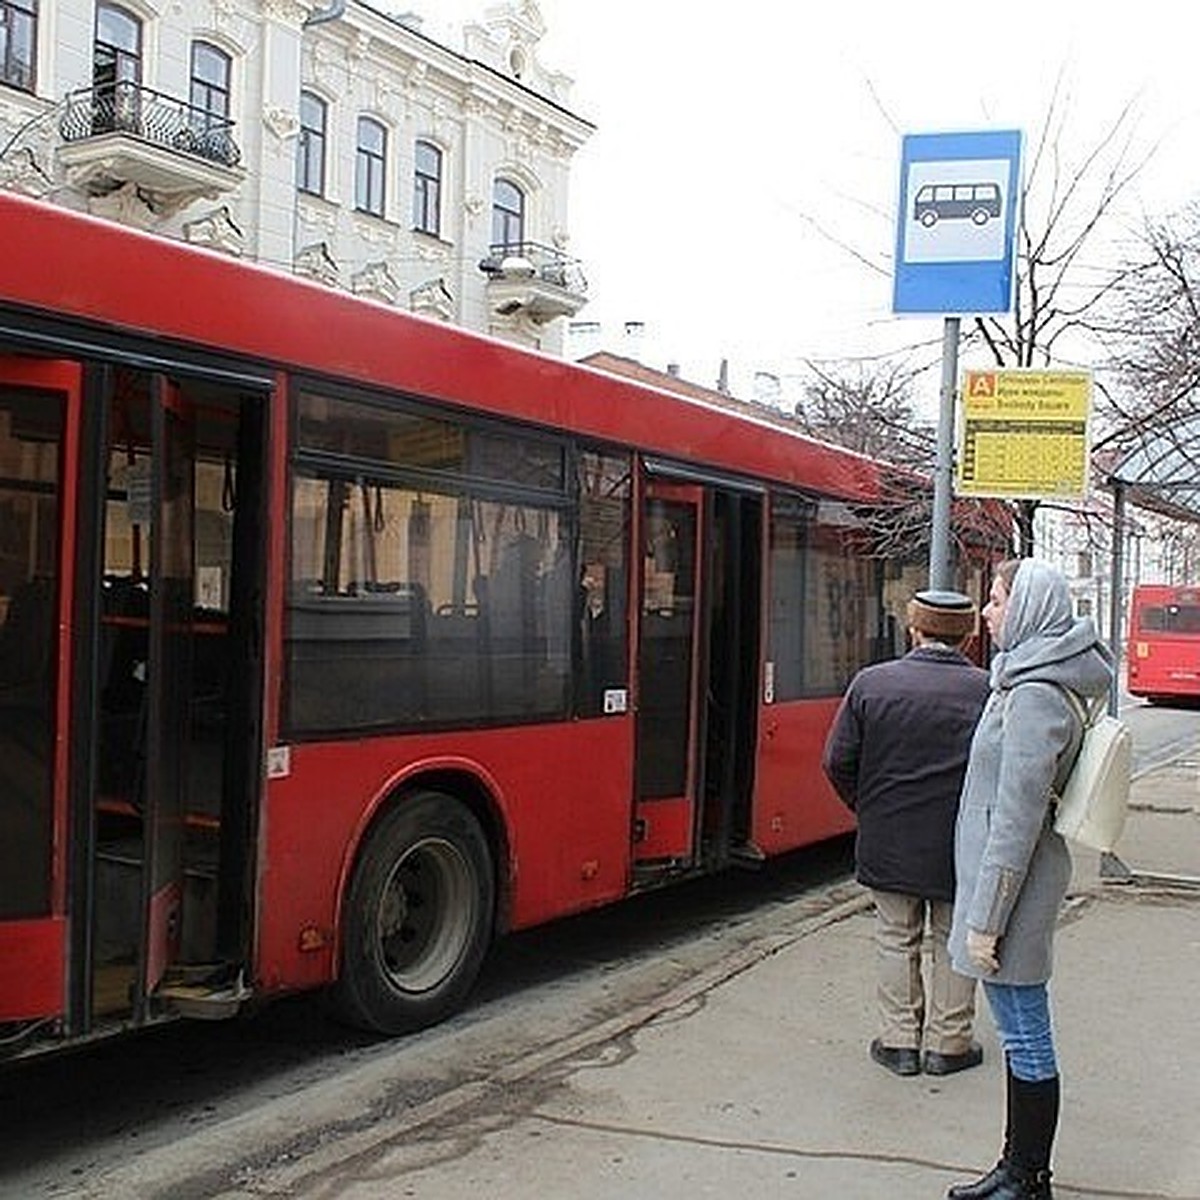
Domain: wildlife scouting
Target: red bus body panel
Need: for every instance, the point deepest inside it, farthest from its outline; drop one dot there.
(32, 968)
(794, 802)
(569, 846)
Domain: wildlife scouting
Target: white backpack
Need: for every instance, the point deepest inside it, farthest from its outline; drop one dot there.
(1092, 803)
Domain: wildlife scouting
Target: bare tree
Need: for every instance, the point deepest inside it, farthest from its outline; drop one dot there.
(1060, 294)
(1152, 334)
(867, 408)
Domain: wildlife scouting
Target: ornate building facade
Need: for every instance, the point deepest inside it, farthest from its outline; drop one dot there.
(335, 140)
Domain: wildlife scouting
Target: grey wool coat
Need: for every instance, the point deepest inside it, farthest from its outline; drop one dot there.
(1012, 868)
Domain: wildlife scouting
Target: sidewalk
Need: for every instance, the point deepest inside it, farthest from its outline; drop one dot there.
(760, 1085)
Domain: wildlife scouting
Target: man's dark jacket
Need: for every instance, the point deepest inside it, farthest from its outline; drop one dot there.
(897, 753)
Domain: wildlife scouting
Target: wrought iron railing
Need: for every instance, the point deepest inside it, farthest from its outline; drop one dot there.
(549, 265)
(127, 107)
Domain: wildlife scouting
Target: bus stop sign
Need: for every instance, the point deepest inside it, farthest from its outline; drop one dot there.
(956, 224)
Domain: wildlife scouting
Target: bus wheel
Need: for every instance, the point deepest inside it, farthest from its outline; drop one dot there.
(418, 919)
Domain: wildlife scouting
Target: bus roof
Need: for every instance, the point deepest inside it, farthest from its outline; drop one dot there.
(81, 268)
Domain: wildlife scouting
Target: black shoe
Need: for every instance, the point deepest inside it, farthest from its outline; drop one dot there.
(898, 1060)
(946, 1064)
(989, 1185)
(1017, 1184)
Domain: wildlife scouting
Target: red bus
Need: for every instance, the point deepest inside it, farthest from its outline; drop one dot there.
(336, 641)
(1164, 642)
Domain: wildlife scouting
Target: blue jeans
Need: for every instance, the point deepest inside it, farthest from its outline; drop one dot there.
(1022, 1015)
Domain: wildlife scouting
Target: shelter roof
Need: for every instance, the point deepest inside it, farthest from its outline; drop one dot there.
(1163, 472)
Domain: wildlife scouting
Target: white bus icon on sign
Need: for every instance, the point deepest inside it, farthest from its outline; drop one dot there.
(978, 202)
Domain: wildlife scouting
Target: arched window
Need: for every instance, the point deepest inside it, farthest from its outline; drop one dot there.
(210, 86)
(369, 164)
(310, 145)
(117, 70)
(508, 215)
(117, 56)
(427, 189)
(18, 43)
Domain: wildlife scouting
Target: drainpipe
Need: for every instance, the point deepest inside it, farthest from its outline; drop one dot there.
(331, 12)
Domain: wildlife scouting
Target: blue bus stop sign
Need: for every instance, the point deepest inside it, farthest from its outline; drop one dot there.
(957, 222)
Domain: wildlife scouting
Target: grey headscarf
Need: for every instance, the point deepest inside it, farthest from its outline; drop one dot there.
(1040, 627)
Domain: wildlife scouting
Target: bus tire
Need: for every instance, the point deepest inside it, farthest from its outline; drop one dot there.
(418, 917)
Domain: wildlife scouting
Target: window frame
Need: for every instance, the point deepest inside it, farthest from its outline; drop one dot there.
(23, 12)
(314, 462)
(427, 189)
(505, 216)
(121, 56)
(218, 115)
(370, 168)
(311, 144)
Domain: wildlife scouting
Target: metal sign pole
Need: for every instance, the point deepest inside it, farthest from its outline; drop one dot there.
(943, 475)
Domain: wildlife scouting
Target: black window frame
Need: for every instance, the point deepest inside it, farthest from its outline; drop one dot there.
(508, 216)
(113, 63)
(427, 188)
(14, 72)
(311, 144)
(359, 472)
(210, 100)
(370, 168)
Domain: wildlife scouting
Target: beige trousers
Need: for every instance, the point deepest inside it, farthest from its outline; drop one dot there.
(912, 1016)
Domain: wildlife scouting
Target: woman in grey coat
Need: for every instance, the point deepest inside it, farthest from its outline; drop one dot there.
(1012, 867)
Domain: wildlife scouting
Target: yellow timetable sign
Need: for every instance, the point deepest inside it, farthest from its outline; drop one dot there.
(1025, 433)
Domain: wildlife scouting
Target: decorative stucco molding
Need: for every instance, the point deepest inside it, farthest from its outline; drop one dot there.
(218, 230)
(376, 281)
(316, 262)
(432, 299)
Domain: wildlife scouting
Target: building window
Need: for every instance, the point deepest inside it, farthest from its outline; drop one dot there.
(118, 50)
(427, 189)
(368, 166)
(310, 147)
(18, 43)
(210, 86)
(508, 214)
(117, 70)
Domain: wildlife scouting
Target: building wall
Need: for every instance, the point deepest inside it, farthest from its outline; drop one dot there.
(492, 109)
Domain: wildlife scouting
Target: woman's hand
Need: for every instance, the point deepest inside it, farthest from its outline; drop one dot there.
(981, 950)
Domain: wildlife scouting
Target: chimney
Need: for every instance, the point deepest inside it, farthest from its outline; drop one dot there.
(723, 378)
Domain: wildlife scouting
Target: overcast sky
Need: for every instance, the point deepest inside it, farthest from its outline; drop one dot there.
(739, 195)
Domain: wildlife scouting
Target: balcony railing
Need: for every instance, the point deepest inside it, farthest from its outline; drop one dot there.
(127, 107)
(534, 280)
(537, 261)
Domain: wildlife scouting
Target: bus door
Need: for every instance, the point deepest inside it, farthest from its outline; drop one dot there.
(167, 766)
(179, 701)
(668, 674)
(39, 413)
(698, 656)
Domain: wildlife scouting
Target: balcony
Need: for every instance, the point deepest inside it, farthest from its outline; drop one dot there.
(124, 133)
(537, 281)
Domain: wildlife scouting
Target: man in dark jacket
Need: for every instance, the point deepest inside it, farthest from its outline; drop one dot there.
(896, 754)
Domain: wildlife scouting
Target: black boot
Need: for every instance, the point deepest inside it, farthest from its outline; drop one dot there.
(1020, 1184)
(1034, 1122)
(981, 1189)
(986, 1186)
